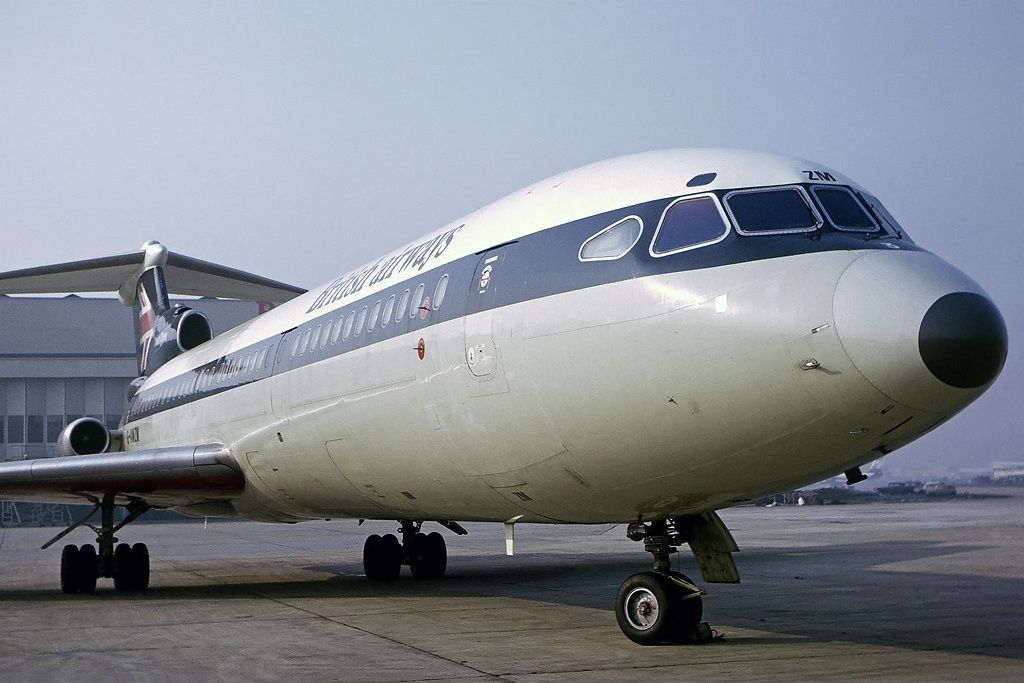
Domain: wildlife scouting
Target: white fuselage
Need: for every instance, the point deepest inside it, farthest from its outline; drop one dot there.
(655, 395)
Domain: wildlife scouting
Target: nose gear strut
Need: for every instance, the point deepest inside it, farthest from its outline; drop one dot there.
(664, 605)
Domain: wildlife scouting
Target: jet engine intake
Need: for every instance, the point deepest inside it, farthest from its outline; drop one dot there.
(84, 436)
(193, 328)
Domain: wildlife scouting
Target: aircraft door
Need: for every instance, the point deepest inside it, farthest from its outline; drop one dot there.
(483, 357)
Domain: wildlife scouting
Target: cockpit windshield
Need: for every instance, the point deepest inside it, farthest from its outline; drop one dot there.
(843, 209)
(772, 211)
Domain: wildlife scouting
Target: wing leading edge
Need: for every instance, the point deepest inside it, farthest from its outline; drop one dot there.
(161, 477)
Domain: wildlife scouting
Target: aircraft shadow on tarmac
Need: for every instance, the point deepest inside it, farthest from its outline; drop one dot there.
(829, 593)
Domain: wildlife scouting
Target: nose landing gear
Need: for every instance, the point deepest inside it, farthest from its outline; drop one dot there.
(666, 606)
(656, 608)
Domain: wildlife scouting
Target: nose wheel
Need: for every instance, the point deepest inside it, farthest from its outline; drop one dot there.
(654, 608)
(660, 606)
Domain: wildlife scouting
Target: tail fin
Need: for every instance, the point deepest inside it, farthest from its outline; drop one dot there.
(162, 332)
(150, 305)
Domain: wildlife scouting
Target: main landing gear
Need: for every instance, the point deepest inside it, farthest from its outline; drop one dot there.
(128, 565)
(425, 554)
(664, 606)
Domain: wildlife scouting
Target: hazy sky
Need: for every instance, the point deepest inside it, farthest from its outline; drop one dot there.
(300, 139)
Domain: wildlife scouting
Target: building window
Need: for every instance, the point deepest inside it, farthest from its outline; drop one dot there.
(16, 429)
(54, 426)
(34, 431)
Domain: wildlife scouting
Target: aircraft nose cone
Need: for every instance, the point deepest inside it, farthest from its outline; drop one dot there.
(962, 340)
(918, 329)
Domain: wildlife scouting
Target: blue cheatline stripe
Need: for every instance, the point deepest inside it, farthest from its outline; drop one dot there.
(534, 266)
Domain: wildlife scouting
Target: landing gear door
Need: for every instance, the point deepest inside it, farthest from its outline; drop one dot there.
(483, 357)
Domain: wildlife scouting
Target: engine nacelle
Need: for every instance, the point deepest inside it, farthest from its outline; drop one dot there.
(84, 436)
(192, 328)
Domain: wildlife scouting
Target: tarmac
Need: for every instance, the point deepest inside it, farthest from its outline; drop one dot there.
(919, 591)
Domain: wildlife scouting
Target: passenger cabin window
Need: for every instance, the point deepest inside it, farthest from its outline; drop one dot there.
(304, 344)
(613, 242)
(843, 209)
(403, 303)
(442, 287)
(315, 339)
(772, 211)
(348, 325)
(688, 223)
(337, 328)
(374, 314)
(326, 334)
(360, 320)
(388, 308)
(417, 301)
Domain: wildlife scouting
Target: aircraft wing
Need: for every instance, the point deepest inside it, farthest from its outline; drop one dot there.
(161, 477)
(186, 275)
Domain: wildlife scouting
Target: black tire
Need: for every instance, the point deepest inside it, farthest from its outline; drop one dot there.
(69, 569)
(431, 557)
(124, 568)
(391, 557)
(87, 562)
(690, 605)
(644, 608)
(372, 558)
(140, 558)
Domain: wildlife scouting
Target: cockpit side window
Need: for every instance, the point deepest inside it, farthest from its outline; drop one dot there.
(612, 242)
(883, 215)
(843, 209)
(772, 211)
(688, 223)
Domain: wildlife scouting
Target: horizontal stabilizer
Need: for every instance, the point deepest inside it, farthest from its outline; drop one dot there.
(185, 274)
(162, 477)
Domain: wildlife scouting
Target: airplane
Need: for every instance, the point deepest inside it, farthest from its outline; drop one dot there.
(643, 341)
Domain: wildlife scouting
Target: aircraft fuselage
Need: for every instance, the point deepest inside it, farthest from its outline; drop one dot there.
(517, 375)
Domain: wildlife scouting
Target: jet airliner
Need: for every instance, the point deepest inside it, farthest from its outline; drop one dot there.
(645, 340)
